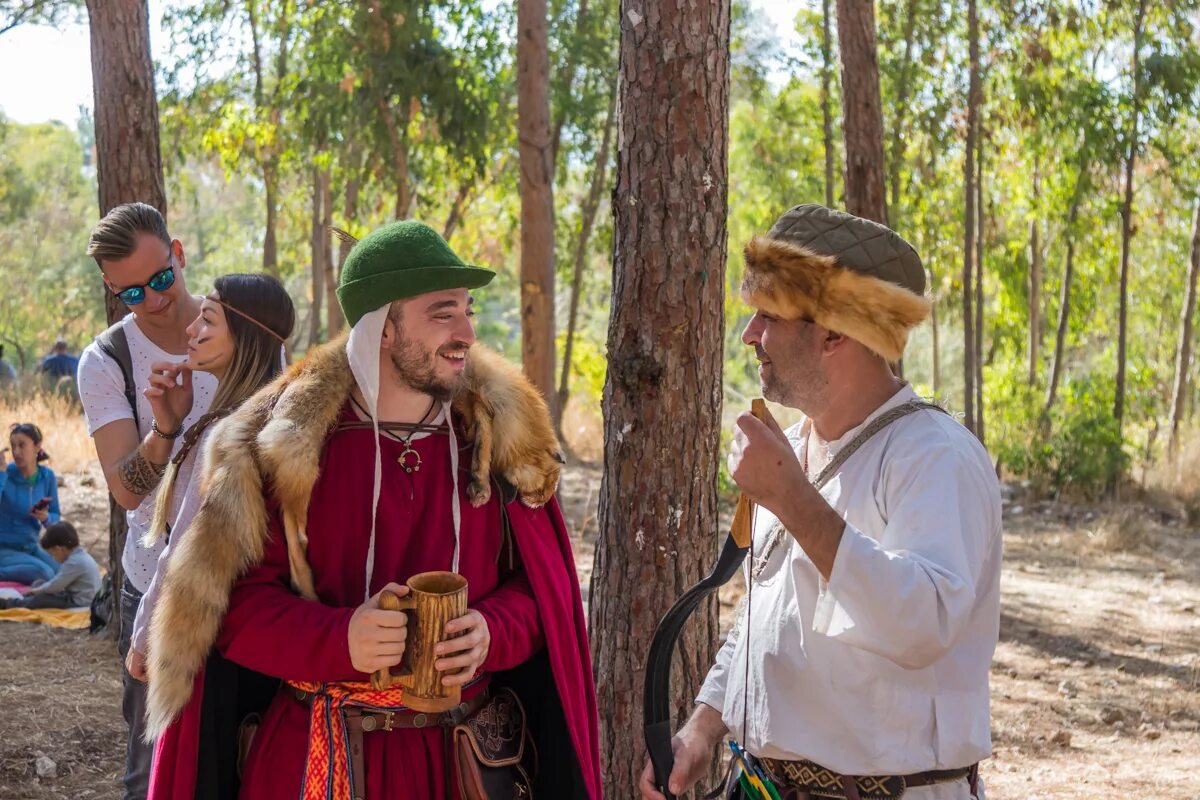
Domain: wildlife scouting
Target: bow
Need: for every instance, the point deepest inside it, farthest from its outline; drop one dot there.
(656, 691)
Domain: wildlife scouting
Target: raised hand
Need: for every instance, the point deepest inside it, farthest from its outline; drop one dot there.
(170, 394)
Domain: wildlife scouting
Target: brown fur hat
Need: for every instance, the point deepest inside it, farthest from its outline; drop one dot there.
(845, 273)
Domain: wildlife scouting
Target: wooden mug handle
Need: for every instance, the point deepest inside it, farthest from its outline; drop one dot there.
(388, 601)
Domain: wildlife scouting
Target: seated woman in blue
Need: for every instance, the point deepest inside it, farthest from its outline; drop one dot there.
(28, 501)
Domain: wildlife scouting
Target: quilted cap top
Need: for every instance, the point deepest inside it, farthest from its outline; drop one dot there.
(858, 244)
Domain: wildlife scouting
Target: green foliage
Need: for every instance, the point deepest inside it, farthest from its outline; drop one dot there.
(1074, 451)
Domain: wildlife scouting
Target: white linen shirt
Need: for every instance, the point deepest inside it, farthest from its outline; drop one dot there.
(884, 669)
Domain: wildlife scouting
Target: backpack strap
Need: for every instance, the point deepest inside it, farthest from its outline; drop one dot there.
(114, 344)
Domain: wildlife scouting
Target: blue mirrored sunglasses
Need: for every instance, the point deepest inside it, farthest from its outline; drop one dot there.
(159, 282)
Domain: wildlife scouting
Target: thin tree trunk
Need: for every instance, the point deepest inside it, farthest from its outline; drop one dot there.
(456, 210)
(969, 197)
(317, 243)
(1064, 306)
(537, 199)
(937, 355)
(826, 98)
(128, 163)
(862, 119)
(591, 205)
(568, 79)
(397, 135)
(662, 394)
(1183, 352)
(270, 245)
(333, 310)
(903, 86)
(1035, 279)
(980, 238)
(353, 186)
(1127, 226)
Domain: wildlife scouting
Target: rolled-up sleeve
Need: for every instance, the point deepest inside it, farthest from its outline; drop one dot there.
(907, 596)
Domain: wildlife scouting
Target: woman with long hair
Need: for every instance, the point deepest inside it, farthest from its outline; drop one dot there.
(28, 502)
(238, 338)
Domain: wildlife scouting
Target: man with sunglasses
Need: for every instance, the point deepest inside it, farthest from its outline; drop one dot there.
(143, 266)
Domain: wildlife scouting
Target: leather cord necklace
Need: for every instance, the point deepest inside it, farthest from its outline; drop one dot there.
(390, 428)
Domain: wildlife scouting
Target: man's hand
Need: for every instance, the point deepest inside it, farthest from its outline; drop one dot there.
(170, 394)
(135, 664)
(376, 637)
(762, 462)
(465, 653)
(693, 749)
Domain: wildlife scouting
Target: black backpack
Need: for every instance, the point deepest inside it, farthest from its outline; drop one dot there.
(113, 344)
(102, 606)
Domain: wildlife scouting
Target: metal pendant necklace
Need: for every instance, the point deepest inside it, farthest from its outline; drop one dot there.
(420, 427)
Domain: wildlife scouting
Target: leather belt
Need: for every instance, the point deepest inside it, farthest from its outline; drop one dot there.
(361, 720)
(817, 781)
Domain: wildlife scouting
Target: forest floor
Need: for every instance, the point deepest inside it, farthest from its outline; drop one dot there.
(1096, 682)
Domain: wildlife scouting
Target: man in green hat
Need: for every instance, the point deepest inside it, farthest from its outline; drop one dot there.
(400, 449)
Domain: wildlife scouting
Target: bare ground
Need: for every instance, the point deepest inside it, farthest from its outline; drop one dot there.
(1096, 682)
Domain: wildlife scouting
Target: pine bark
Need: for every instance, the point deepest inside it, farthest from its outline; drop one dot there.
(1183, 352)
(128, 161)
(537, 199)
(862, 117)
(662, 395)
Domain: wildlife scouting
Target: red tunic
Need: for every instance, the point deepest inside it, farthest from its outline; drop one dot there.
(270, 629)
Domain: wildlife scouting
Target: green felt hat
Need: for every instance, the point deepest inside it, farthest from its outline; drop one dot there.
(398, 261)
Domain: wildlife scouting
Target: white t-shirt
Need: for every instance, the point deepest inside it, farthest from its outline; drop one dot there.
(102, 392)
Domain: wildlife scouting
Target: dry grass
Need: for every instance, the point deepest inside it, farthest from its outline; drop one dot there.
(1123, 529)
(61, 423)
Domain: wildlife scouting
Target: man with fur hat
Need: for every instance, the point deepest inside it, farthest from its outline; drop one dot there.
(401, 449)
(858, 666)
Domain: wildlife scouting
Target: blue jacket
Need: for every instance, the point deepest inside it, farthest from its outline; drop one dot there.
(17, 498)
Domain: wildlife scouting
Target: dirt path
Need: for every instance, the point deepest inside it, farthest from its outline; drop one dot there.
(1096, 682)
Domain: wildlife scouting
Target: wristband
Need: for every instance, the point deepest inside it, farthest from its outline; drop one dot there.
(168, 436)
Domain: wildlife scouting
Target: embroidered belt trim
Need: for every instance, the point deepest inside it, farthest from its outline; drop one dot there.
(819, 781)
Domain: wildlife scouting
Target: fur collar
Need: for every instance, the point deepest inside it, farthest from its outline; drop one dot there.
(276, 439)
(793, 282)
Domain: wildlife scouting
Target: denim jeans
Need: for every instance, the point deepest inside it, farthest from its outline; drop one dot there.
(138, 754)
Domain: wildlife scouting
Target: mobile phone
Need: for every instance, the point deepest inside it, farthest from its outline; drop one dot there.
(42, 504)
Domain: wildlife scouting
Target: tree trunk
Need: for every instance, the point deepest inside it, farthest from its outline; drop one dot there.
(568, 79)
(317, 244)
(979, 249)
(456, 211)
(1064, 309)
(896, 156)
(862, 119)
(397, 134)
(936, 378)
(591, 205)
(969, 197)
(662, 394)
(826, 99)
(333, 313)
(270, 246)
(537, 199)
(1035, 280)
(353, 186)
(128, 162)
(1127, 225)
(1183, 353)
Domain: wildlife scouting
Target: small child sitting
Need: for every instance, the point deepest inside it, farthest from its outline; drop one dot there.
(77, 580)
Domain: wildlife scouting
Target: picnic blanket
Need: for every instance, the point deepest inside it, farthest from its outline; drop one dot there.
(72, 618)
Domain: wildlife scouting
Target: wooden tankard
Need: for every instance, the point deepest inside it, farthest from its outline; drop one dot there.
(434, 599)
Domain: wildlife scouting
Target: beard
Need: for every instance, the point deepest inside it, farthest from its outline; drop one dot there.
(417, 367)
(794, 382)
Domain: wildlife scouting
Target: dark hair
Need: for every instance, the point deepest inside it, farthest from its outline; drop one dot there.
(34, 433)
(116, 236)
(60, 534)
(256, 353)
